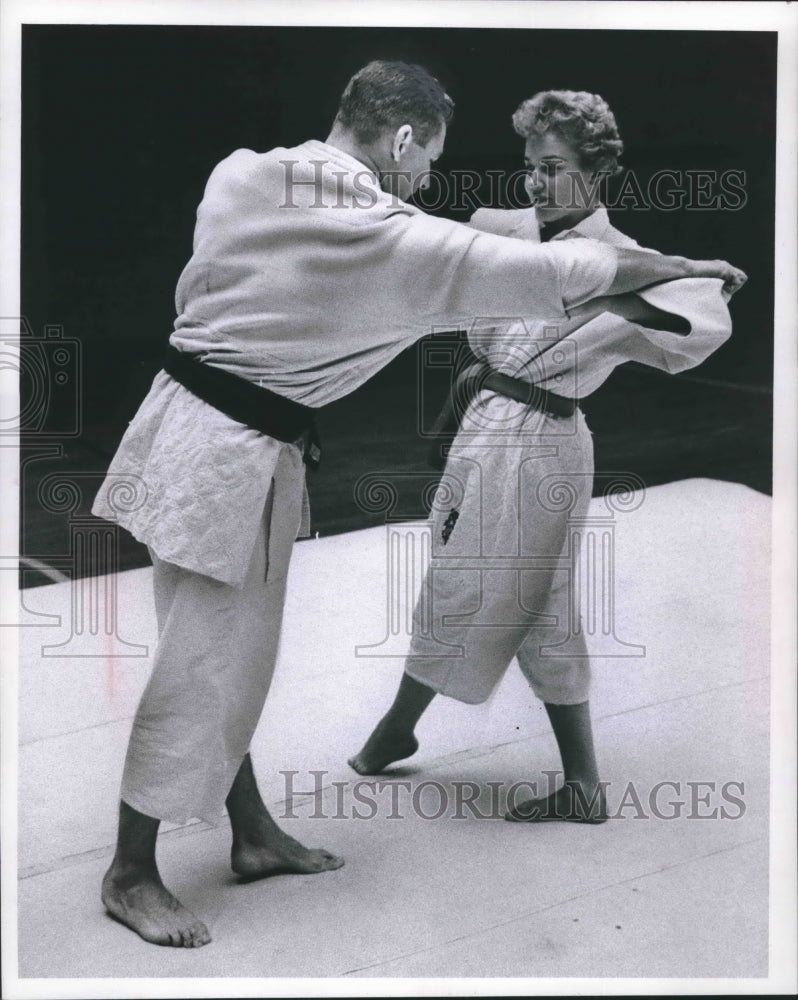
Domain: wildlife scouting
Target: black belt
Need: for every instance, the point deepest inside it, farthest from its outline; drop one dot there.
(249, 404)
(476, 377)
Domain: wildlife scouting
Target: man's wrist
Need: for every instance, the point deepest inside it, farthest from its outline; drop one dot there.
(684, 267)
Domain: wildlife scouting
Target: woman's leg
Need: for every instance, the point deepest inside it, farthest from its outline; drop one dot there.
(581, 798)
(478, 598)
(554, 659)
(393, 737)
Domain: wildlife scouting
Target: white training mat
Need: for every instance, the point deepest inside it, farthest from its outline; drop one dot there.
(641, 896)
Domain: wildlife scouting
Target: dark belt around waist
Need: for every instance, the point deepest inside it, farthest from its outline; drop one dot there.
(250, 404)
(476, 377)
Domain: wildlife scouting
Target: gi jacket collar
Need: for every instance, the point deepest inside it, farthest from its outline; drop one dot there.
(594, 227)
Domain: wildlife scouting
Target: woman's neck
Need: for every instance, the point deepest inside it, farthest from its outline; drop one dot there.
(550, 229)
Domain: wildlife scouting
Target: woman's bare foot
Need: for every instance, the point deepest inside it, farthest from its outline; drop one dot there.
(575, 802)
(138, 898)
(385, 746)
(279, 854)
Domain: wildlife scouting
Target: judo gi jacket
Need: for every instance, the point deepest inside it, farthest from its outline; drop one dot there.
(307, 278)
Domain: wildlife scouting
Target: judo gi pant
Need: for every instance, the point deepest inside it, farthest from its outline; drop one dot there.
(212, 669)
(502, 582)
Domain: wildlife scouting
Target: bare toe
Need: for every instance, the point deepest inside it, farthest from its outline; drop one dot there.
(328, 862)
(199, 935)
(381, 749)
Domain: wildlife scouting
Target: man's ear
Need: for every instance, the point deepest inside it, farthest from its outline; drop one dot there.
(402, 139)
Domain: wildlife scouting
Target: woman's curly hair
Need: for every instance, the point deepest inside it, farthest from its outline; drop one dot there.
(581, 119)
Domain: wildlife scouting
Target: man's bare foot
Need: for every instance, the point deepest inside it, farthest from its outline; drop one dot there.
(574, 803)
(382, 748)
(278, 854)
(139, 899)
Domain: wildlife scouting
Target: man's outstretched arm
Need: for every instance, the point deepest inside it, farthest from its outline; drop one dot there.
(640, 269)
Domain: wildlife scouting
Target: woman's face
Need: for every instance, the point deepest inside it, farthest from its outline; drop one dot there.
(560, 188)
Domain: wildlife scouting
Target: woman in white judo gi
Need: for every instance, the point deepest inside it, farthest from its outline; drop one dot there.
(518, 479)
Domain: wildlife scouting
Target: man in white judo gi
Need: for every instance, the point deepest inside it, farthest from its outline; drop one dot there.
(310, 272)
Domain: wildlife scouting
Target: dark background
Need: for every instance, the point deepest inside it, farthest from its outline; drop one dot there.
(122, 125)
